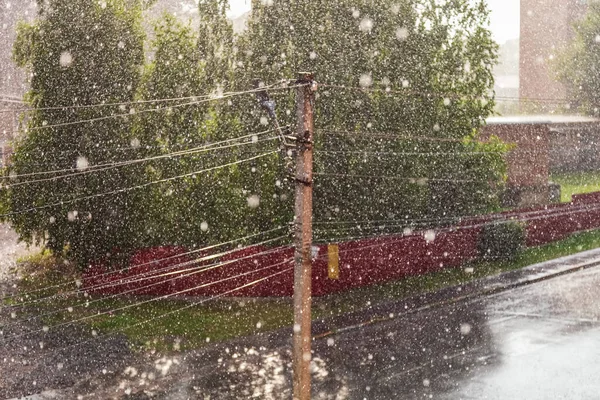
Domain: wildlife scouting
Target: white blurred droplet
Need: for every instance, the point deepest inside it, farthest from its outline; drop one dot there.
(313, 55)
(330, 342)
(446, 101)
(436, 127)
(429, 235)
(66, 59)
(259, 325)
(402, 33)
(426, 382)
(121, 44)
(45, 329)
(296, 328)
(253, 201)
(82, 163)
(52, 220)
(135, 143)
(465, 329)
(72, 216)
(365, 80)
(255, 139)
(366, 25)
(264, 121)
(469, 270)
(204, 226)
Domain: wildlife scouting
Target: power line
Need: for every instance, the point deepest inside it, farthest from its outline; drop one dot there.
(105, 167)
(130, 268)
(421, 180)
(577, 210)
(137, 304)
(193, 304)
(123, 190)
(161, 100)
(161, 273)
(388, 135)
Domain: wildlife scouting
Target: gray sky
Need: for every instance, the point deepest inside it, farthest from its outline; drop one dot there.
(504, 19)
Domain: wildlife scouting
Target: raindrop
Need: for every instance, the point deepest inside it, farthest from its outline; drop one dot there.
(402, 33)
(253, 201)
(429, 235)
(66, 59)
(204, 226)
(82, 163)
(365, 80)
(366, 25)
(465, 329)
(135, 143)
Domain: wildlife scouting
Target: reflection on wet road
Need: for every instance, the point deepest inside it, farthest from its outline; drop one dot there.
(536, 342)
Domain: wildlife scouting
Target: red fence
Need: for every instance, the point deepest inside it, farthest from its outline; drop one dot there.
(248, 272)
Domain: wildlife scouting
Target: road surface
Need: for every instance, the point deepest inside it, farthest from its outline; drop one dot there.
(540, 341)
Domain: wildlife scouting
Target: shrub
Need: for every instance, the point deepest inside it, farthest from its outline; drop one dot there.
(501, 241)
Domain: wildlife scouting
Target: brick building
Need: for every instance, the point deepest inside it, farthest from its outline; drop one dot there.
(546, 27)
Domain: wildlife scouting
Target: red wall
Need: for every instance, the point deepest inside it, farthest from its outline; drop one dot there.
(361, 262)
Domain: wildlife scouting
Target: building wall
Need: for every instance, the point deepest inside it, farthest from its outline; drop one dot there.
(546, 27)
(575, 147)
(527, 163)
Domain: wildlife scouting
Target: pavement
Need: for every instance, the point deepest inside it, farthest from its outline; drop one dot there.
(528, 334)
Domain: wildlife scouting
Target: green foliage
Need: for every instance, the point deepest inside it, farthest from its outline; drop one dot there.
(432, 69)
(501, 241)
(437, 63)
(577, 66)
(78, 54)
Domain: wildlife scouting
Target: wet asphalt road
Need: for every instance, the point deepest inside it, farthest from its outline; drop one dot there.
(540, 341)
(536, 342)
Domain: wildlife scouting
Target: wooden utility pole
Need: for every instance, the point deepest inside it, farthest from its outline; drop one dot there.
(303, 236)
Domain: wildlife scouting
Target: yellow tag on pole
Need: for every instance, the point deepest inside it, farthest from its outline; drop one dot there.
(333, 265)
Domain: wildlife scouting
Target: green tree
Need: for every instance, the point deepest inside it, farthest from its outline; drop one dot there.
(80, 54)
(577, 66)
(431, 64)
